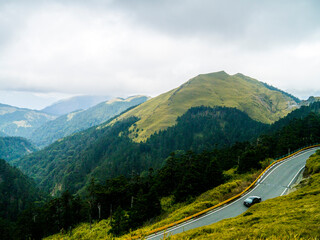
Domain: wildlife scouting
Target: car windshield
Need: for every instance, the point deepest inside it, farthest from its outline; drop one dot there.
(249, 200)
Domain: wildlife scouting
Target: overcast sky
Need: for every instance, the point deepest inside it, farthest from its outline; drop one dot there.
(53, 49)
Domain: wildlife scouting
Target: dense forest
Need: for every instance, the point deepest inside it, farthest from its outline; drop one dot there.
(132, 200)
(12, 148)
(107, 152)
(17, 193)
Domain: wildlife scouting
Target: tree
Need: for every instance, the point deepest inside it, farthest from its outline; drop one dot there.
(119, 222)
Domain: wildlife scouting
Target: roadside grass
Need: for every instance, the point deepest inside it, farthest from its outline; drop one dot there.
(208, 199)
(99, 230)
(313, 164)
(295, 216)
(171, 212)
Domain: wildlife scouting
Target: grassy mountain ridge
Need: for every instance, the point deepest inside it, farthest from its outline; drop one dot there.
(214, 89)
(107, 150)
(297, 100)
(80, 120)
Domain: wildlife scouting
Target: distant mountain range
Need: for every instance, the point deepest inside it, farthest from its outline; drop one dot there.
(44, 128)
(21, 122)
(72, 104)
(80, 120)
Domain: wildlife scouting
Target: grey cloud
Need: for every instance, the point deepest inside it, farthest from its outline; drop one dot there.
(247, 22)
(155, 45)
(259, 23)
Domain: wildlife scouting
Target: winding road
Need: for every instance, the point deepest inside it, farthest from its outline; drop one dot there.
(275, 183)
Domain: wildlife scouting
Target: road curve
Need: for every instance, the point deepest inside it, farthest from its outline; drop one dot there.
(275, 183)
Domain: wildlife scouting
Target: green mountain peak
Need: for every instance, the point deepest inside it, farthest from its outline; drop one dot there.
(212, 89)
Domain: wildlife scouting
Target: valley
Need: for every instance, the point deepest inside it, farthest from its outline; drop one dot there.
(159, 120)
(137, 158)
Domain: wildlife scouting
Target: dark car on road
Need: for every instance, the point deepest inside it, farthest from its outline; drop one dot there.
(251, 200)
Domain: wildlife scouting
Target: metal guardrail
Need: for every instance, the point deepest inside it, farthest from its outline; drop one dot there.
(270, 167)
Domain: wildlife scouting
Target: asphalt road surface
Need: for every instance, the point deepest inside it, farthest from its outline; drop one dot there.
(275, 183)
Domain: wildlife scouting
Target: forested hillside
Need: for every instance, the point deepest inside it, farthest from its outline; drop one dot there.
(300, 113)
(136, 198)
(15, 147)
(21, 122)
(187, 174)
(17, 193)
(107, 152)
(80, 120)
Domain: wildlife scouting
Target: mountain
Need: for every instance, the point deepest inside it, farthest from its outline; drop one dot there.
(21, 122)
(260, 101)
(186, 175)
(80, 120)
(302, 112)
(182, 119)
(309, 101)
(105, 152)
(72, 104)
(12, 148)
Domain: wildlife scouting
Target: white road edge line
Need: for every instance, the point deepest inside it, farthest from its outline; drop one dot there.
(197, 219)
(284, 161)
(227, 205)
(292, 181)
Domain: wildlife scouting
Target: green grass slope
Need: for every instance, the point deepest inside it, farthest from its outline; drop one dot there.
(295, 216)
(261, 103)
